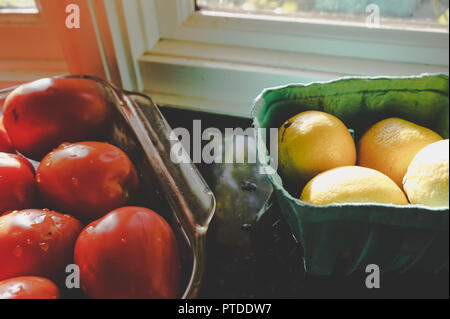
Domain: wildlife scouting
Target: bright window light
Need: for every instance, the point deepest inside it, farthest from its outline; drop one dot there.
(420, 14)
(18, 6)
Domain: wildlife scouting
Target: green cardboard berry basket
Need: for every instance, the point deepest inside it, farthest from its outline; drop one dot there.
(344, 238)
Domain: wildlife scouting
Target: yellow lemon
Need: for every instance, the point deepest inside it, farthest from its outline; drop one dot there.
(312, 142)
(352, 184)
(426, 181)
(390, 145)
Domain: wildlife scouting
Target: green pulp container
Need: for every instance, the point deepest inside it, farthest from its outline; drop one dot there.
(344, 238)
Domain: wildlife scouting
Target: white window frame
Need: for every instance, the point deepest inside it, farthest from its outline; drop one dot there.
(218, 62)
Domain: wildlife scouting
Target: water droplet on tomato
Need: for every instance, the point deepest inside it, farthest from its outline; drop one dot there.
(64, 145)
(29, 241)
(123, 240)
(75, 181)
(43, 245)
(17, 252)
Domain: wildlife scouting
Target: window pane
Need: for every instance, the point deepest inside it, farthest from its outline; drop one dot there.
(399, 13)
(18, 6)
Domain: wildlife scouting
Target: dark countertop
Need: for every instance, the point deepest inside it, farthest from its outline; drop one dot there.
(272, 266)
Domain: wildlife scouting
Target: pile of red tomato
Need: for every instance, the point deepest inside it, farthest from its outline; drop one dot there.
(76, 207)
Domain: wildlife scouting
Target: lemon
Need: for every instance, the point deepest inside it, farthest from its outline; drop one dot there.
(352, 184)
(390, 145)
(426, 181)
(312, 142)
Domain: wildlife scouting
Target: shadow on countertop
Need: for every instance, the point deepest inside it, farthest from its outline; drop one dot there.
(271, 266)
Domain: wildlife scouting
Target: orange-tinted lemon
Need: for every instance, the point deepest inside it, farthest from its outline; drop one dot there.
(312, 142)
(390, 145)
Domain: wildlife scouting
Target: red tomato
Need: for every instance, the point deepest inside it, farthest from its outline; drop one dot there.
(28, 288)
(131, 253)
(5, 142)
(6, 213)
(87, 179)
(36, 243)
(41, 115)
(17, 184)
